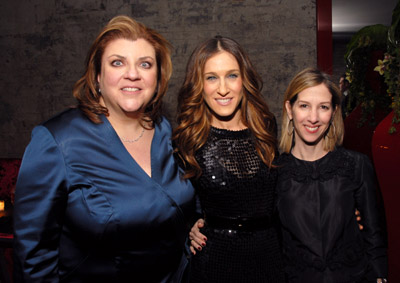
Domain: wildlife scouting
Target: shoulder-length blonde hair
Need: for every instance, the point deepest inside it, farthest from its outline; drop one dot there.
(194, 117)
(305, 79)
(86, 89)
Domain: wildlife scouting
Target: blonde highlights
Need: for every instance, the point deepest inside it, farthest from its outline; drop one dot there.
(307, 78)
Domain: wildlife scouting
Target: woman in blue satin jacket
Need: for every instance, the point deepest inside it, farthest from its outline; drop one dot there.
(99, 196)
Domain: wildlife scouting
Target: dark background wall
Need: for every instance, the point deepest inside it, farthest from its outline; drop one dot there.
(43, 45)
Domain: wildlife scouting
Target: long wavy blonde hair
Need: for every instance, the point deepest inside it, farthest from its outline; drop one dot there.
(194, 117)
(307, 78)
(86, 89)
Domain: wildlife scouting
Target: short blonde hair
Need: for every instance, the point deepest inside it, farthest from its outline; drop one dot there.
(305, 79)
(86, 88)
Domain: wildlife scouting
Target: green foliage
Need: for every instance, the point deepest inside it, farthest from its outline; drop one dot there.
(389, 67)
(358, 56)
(374, 37)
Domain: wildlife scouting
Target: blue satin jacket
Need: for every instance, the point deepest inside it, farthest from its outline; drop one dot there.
(85, 211)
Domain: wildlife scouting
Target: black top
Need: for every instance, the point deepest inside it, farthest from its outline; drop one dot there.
(316, 204)
(236, 183)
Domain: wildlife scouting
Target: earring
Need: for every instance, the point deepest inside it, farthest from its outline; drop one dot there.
(334, 131)
(290, 132)
(99, 90)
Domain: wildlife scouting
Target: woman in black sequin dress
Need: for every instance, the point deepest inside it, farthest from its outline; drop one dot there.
(226, 140)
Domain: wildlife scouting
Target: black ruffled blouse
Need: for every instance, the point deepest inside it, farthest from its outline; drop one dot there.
(316, 203)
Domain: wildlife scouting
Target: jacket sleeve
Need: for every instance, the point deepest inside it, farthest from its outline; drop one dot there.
(40, 202)
(371, 208)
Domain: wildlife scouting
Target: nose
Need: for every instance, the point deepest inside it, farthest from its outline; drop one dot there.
(313, 116)
(132, 73)
(223, 88)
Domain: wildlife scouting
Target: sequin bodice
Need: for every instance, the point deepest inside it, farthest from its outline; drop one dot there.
(234, 181)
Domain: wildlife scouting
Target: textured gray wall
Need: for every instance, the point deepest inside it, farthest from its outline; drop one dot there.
(43, 45)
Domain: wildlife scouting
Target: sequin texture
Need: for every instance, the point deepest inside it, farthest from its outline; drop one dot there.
(236, 183)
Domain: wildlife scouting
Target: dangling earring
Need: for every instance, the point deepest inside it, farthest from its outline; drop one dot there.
(99, 90)
(334, 131)
(290, 132)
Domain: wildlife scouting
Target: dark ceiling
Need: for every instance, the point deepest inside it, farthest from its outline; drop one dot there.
(348, 16)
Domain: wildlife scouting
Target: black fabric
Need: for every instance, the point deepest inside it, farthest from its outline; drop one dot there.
(236, 184)
(316, 203)
(239, 223)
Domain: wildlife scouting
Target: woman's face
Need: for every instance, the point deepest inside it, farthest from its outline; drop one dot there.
(128, 77)
(223, 88)
(311, 114)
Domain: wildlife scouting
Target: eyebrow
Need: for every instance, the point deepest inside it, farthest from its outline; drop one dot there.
(229, 71)
(304, 101)
(140, 58)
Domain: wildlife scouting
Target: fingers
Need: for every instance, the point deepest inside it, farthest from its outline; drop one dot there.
(200, 223)
(197, 239)
(358, 217)
(192, 250)
(195, 246)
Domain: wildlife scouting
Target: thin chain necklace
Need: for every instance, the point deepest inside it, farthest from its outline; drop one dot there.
(135, 140)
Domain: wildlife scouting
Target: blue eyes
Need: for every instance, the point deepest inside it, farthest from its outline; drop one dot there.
(116, 63)
(144, 65)
(230, 76)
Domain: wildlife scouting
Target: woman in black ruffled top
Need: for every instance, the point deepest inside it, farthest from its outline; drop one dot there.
(320, 185)
(226, 138)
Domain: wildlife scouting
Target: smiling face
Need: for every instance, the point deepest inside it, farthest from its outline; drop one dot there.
(128, 77)
(312, 113)
(223, 89)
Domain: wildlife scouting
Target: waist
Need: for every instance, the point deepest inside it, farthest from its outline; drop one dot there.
(239, 223)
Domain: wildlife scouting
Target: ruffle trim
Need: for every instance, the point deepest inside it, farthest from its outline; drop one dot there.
(335, 163)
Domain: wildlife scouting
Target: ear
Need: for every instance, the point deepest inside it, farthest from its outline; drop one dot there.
(288, 109)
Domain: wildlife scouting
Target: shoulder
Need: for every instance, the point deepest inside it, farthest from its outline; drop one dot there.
(69, 123)
(283, 159)
(359, 164)
(68, 118)
(353, 155)
(163, 126)
(164, 123)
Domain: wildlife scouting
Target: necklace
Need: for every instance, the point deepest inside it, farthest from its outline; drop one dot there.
(135, 140)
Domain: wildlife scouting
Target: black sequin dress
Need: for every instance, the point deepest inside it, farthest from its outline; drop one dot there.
(236, 183)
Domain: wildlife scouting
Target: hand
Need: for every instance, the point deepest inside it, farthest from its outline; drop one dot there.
(197, 239)
(358, 217)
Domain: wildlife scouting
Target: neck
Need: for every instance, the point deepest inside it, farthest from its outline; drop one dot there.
(127, 128)
(234, 124)
(309, 152)
(228, 126)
